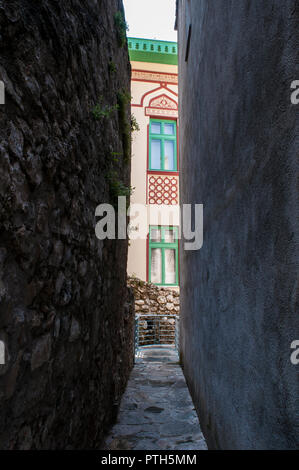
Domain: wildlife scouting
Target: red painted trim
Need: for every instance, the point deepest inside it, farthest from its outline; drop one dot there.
(179, 273)
(153, 81)
(159, 172)
(147, 161)
(167, 118)
(175, 75)
(158, 183)
(149, 113)
(164, 109)
(161, 87)
(148, 93)
(155, 71)
(171, 91)
(154, 91)
(178, 147)
(161, 96)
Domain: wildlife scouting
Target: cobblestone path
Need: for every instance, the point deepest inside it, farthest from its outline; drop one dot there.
(156, 411)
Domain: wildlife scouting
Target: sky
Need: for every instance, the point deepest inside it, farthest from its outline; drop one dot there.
(151, 19)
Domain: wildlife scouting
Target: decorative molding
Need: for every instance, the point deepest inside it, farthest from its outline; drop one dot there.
(161, 112)
(163, 102)
(159, 77)
(147, 50)
(163, 190)
(170, 174)
(162, 87)
(162, 106)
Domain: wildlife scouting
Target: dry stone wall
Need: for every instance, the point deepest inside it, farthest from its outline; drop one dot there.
(152, 301)
(150, 298)
(66, 315)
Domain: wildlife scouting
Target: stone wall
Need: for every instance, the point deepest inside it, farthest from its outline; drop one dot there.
(239, 157)
(150, 298)
(66, 315)
(152, 301)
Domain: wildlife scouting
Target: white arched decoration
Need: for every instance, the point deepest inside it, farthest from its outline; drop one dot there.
(162, 106)
(160, 102)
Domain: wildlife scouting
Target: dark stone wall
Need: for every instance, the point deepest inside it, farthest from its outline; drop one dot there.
(66, 316)
(239, 157)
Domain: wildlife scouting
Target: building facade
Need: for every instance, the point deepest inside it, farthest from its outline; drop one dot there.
(154, 244)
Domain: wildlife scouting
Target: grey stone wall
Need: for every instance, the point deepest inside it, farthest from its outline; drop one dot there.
(66, 315)
(150, 298)
(152, 301)
(239, 157)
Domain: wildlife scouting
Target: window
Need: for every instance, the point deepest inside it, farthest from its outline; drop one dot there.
(163, 145)
(163, 256)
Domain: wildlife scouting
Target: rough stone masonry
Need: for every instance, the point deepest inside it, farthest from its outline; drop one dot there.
(153, 302)
(66, 316)
(150, 298)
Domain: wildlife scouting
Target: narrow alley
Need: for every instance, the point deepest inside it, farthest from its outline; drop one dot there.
(149, 230)
(156, 411)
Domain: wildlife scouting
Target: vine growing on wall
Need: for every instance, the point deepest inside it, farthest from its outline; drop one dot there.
(111, 67)
(101, 111)
(117, 188)
(121, 27)
(134, 124)
(123, 99)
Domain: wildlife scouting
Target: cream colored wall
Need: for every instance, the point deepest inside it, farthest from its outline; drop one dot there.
(151, 67)
(157, 215)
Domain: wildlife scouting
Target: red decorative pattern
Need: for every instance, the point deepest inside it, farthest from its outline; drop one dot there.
(142, 75)
(167, 113)
(163, 190)
(162, 106)
(163, 102)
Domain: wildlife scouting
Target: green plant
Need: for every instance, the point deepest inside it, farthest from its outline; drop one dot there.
(121, 28)
(125, 97)
(123, 100)
(115, 157)
(134, 124)
(111, 67)
(117, 187)
(101, 111)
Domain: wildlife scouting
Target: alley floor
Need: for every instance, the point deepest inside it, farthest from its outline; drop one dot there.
(156, 411)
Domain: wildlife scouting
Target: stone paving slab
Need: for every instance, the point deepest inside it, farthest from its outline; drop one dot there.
(156, 411)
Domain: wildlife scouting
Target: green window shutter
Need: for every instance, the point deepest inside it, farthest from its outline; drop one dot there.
(163, 157)
(163, 269)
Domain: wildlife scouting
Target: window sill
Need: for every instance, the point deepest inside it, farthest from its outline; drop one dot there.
(163, 172)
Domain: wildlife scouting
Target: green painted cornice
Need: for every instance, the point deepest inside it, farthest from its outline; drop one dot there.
(151, 50)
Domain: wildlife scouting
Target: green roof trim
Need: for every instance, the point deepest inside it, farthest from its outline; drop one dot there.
(151, 50)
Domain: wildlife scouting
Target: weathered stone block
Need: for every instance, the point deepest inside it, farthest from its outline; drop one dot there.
(41, 352)
(75, 330)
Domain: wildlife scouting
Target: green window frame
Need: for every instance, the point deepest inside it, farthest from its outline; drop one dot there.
(163, 245)
(163, 139)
